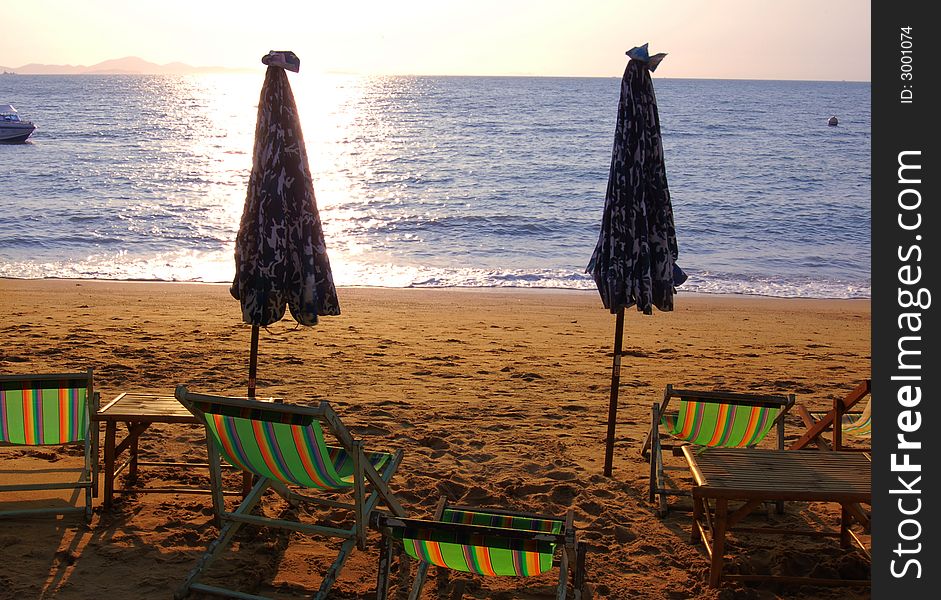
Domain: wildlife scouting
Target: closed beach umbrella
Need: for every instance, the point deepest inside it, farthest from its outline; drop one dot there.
(280, 255)
(633, 262)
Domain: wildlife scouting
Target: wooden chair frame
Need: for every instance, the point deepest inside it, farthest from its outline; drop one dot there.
(88, 475)
(653, 445)
(817, 425)
(230, 522)
(570, 561)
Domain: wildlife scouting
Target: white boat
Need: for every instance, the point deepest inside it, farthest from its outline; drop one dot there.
(12, 128)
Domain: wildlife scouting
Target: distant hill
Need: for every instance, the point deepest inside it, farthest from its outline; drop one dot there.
(130, 65)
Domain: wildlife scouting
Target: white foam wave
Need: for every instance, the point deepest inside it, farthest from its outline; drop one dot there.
(218, 267)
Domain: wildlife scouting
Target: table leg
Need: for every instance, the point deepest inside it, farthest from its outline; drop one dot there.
(718, 541)
(132, 467)
(110, 431)
(844, 527)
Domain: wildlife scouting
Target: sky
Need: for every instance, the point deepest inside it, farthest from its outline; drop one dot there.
(725, 39)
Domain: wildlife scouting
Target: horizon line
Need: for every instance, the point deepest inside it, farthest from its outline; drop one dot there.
(247, 70)
(182, 68)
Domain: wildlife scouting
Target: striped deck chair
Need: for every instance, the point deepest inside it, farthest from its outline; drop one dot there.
(50, 410)
(856, 425)
(481, 542)
(709, 418)
(285, 448)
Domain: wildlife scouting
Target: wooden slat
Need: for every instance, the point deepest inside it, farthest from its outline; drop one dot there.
(134, 407)
(721, 397)
(174, 490)
(810, 420)
(754, 473)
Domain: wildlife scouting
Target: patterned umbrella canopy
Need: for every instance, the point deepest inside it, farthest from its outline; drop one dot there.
(633, 262)
(280, 254)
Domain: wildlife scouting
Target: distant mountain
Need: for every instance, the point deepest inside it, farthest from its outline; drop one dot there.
(130, 65)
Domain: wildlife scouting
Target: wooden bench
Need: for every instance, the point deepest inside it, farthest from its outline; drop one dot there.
(49, 409)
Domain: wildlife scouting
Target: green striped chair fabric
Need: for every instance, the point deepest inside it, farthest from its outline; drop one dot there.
(715, 424)
(857, 424)
(43, 411)
(483, 554)
(287, 448)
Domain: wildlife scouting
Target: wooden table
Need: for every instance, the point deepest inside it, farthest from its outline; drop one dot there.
(755, 476)
(138, 412)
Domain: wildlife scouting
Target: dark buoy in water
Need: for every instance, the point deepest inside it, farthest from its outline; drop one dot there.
(832, 121)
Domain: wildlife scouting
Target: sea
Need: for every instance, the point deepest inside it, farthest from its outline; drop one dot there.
(476, 182)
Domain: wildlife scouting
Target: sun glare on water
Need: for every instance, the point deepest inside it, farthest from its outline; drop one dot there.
(226, 107)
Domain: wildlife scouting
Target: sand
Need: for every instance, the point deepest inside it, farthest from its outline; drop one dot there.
(498, 398)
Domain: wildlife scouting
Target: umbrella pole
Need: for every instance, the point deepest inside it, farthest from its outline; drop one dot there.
(253, 363)
(247, 481)
(615, 384)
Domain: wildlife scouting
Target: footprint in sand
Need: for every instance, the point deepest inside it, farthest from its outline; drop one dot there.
(650, 550)
(480, 458)
(623, 535)
(526, 376)
(530, 489)
(476, 495)
(14, 359)
(563, 494)
(451, 489)
(369, 430)
(561, 475)
(434, 442)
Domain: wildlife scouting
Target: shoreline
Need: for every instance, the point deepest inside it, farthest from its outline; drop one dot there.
(485, 289)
